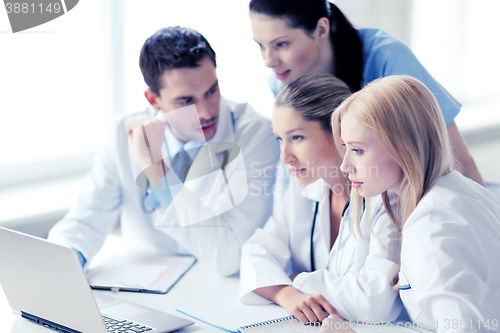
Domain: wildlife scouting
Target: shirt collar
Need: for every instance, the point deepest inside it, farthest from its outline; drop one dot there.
(175, 145)
(316, 191)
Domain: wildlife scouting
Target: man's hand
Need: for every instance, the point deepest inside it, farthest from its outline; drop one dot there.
(147, 134)
(306, 308)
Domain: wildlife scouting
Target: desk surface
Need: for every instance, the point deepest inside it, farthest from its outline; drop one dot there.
(200, 283)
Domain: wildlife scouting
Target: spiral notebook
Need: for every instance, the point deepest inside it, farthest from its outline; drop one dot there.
(284, 324)
(229, 315)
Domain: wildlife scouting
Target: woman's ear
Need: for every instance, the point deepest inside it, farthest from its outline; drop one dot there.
(322, 28)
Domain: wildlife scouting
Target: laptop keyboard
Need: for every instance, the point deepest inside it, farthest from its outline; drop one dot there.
(124, 326)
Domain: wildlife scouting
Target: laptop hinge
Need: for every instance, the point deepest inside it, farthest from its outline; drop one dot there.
(47, 323)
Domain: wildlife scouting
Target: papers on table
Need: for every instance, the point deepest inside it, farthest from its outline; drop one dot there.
(154, 274)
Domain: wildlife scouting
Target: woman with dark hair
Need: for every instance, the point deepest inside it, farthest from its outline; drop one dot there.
(307, 258)
(299, 37)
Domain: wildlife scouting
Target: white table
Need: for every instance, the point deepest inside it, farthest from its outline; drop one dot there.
(199, 284)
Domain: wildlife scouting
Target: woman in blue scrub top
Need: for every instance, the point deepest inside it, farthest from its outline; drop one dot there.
(299, 37)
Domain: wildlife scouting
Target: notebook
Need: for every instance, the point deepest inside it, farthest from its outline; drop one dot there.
(229, 315)
(45, 283)
(150, 274)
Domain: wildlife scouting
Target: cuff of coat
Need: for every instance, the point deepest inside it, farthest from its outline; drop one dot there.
(160, 198)
(252, 298)
(316, 282)
(82, 259)
(247, 287)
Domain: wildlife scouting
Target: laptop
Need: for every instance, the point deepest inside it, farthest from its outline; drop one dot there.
(45, 284)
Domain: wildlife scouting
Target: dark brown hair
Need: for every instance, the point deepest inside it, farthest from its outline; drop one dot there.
(314, 97)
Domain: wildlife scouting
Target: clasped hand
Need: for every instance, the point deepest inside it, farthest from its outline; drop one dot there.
(147, 134)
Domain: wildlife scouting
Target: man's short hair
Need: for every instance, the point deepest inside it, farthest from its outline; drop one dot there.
(172, 48)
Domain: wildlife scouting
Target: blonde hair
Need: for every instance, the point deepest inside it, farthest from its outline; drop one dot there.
(407, 121)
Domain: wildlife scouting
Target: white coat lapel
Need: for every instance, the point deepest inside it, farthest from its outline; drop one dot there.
(319, 192)
(346, 244)
(225, 127)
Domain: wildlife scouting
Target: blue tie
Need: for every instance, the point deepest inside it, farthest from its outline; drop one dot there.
(181, 164)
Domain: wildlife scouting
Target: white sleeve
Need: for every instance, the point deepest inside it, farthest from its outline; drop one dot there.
(265, 260)
(365, 292)
(218, 239)
(96, 212)
(266, 256)
(450, 273)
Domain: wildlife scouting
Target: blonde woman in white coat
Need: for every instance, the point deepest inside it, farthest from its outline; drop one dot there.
(306, 258)
(450, 273)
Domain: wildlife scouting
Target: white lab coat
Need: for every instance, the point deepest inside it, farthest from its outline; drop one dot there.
(450, 267)
(112, 194)
(354, 278)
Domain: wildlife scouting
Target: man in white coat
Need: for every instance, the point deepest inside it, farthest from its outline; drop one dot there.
(207, 204)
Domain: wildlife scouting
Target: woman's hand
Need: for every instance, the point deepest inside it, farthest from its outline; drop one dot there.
(305, 307)
(335, 324)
